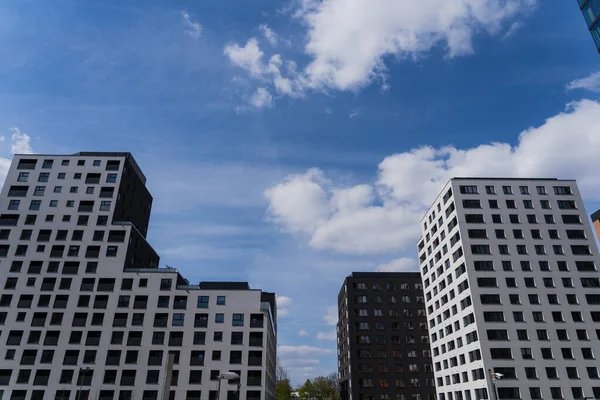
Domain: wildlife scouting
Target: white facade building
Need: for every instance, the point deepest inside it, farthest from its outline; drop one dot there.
(512, 290)
(85, 312)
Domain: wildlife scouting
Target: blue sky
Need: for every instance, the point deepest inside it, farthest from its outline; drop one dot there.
(291, 143)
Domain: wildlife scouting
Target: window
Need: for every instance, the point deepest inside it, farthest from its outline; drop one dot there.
(551, 373)
(221, 300)
(490, 299)
(219, 318)
(238, 320)
(14, 204)
(35, 205)
(511, 204)
(111, 178)
(178, 319)
(105, 205)
(464, 189)
(480, 249)
(474, 218)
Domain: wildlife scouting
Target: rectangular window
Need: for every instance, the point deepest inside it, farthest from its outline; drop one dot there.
(203, 301)
(237, 320)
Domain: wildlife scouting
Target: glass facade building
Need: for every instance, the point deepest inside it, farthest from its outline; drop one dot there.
(591, 13)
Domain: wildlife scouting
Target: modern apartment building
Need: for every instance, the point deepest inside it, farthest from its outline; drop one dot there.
(591, 13)
(512, 290)
(383, 343)
(85, 312)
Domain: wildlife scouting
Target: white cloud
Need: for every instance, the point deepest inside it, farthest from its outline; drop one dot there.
(300, 361)
(591, 83)
(283, 306)
(383, 216)
(349, 39)
(399, 265)
(301, 350)
(514, 28)
(302, 332)
(192, 28)
(261, 98)
(269, 34)
(331, 315)
(20, 142)
(332, 335)
(248, 57)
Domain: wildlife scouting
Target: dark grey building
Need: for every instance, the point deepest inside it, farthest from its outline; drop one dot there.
(591, 13)
(383, 342)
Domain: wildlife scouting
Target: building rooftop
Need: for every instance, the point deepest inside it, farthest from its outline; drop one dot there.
(224, 285)
(507, 179)
(126, 155)
(384, 274)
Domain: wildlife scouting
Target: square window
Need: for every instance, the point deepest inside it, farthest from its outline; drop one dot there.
(219, 318)
(89, 190)
(96, 163)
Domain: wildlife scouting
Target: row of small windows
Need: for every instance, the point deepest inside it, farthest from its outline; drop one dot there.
(31, 219)
(58, 251)
(515, 393)
(507, 189)
(399, 383)
(128, 377)
(516, 219)
(572, 234)
(45, 235)
(21, 191)
(527, 204)
(145, 395)
(388, 286)
(591, 299)
(28, 163)
(548, 282)
(395, 353)
(84, 206)
(395, 368)
(500, 233)
(540, 249)
(134, 338)
(395, 339)
(538, 316)
(491, 190)
(90, 178)
(507, 265)
(382, 326)
(391, 299)
(398, 396)
(255, 339)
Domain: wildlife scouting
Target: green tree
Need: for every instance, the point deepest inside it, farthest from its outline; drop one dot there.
(283, 390)
(320, 388)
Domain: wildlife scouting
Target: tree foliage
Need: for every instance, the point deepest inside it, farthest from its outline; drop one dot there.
(283, 388)
(320, 388)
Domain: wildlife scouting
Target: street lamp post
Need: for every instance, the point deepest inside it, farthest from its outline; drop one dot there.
(494, 376)
(225, 375)
(82, 373)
